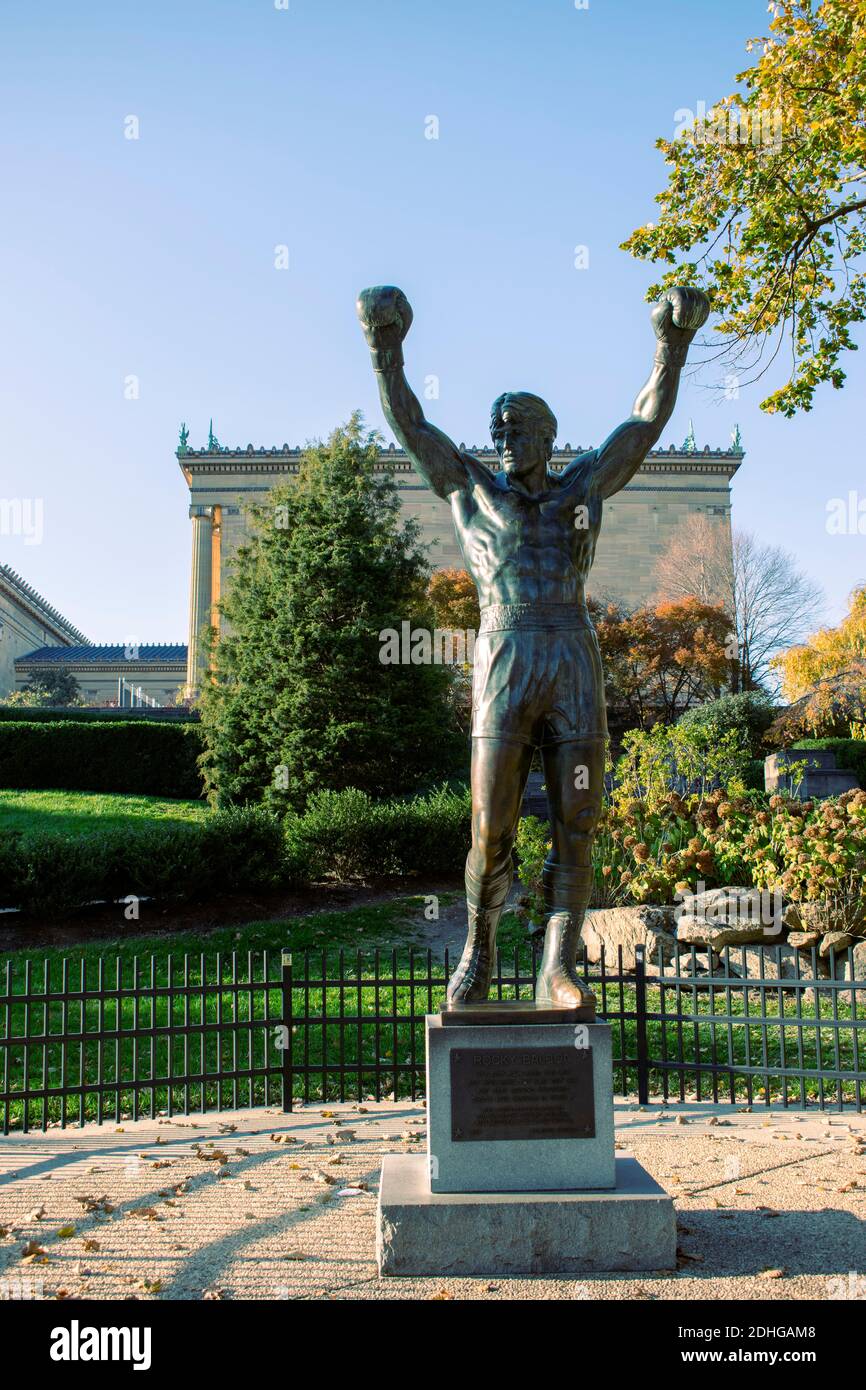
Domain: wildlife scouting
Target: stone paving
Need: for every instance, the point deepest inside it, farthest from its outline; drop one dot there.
(260, 1205)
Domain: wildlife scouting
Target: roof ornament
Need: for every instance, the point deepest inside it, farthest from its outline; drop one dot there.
(736, 440)
(213, 444)
(184, 436)
(689, 445)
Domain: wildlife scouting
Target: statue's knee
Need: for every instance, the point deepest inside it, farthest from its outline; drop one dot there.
(491, 849)
(586, 820)
(579, 832)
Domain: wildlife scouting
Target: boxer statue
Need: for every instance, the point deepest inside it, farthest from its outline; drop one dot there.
(528, 537)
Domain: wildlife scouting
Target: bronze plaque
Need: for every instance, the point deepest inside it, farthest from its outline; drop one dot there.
(522, 1093)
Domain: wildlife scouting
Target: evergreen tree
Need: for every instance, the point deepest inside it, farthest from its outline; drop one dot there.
(300, 698)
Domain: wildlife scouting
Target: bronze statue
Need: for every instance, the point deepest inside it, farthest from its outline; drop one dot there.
(528, 537)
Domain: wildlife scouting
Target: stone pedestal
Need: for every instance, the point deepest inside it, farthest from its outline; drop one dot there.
(542, 1122)
(420, 1232)
(520, 1176)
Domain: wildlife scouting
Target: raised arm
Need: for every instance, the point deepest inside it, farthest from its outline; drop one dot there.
(676, 318)
(386, 316)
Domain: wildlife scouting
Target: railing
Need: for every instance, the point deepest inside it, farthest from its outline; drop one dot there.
(125, 1038)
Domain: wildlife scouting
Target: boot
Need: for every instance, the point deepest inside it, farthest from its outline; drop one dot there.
(566, 893)
(485, 901)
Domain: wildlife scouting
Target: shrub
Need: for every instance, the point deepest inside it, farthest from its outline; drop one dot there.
(687, 758)
(749, 715)
(347, 834)
(134, 756)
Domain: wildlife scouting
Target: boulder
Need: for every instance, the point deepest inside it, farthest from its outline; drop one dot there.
(608, 928)
(804, 940)
(699, 964)
(696, 931)
(837, 941)
(859, 954)
(751, 963)
(726, 916)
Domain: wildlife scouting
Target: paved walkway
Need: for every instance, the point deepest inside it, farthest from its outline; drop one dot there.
(260, 1205)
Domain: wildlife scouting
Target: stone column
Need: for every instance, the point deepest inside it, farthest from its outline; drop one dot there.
(200, 590)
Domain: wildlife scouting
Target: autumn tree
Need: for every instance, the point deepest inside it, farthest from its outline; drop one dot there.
(454, 600)
(661, 660)
(771, 600)
(830, 651)
(765, 205)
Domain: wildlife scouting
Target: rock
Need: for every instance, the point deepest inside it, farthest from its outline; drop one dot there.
(726, 916)
(721, 905)
(751, 963)
(699, 964)
(792, 918)
(804, 940)
(860, 961)
(837, 941)
(695, 931)
(608, 928)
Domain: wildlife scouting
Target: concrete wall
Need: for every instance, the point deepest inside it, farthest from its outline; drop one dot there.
(26, 623)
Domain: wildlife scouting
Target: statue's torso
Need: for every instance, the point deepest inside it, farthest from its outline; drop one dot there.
(527, 549)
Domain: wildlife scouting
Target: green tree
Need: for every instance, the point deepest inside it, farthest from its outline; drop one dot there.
(300, 697)
(50, 689)
(765, 205)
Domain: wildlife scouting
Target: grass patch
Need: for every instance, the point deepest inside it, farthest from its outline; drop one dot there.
(82, 813)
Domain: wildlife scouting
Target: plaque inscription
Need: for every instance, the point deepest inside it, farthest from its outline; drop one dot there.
(522, 1093)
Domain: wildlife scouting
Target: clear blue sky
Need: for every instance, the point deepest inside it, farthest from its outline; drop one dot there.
(155, 257)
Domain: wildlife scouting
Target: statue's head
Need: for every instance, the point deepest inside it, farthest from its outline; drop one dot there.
(523, 428)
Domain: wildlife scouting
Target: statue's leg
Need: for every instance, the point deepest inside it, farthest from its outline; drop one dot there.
(574, 773)
(499, 772)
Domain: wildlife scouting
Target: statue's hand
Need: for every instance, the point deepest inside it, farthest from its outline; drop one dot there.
(679, 312)
(386, 316)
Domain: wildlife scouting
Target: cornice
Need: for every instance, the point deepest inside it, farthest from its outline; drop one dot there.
(25, 595)
(287, 460)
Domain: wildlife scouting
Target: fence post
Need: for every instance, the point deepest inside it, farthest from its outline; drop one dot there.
(640, 1022)
(286, 965)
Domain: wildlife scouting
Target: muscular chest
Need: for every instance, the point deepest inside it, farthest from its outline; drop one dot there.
(500, 525)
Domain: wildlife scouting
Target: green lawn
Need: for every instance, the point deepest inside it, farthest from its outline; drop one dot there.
(77, 813)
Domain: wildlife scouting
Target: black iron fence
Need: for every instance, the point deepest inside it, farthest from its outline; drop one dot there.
(108, 1040)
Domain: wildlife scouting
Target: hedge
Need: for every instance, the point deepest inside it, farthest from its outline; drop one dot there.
(131, 756)
(231, 851)
(344, 834)
(47, 714)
